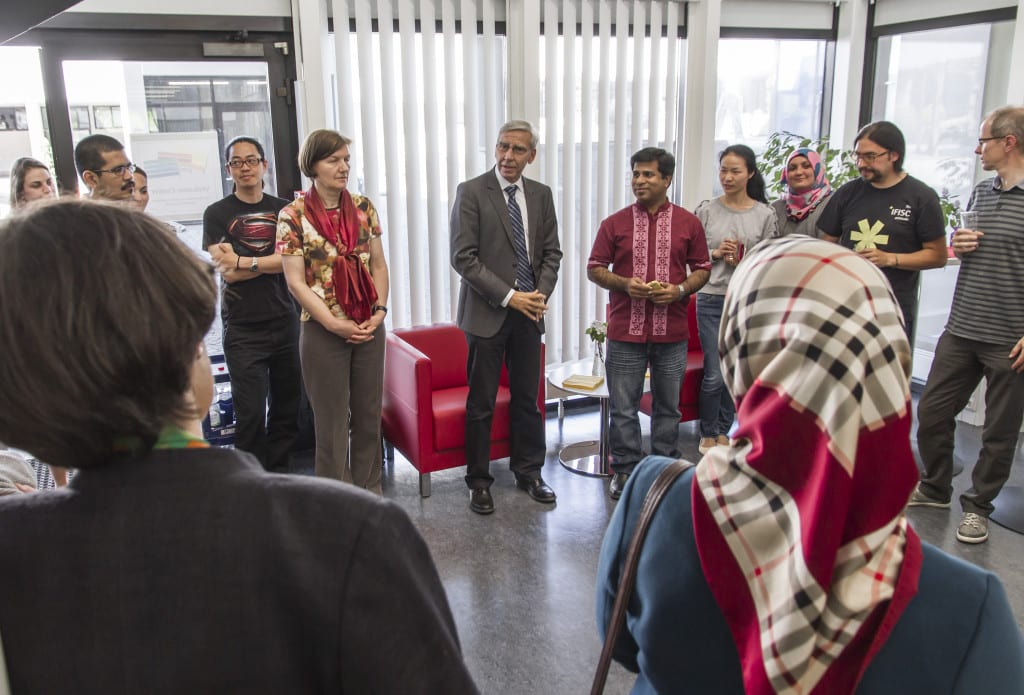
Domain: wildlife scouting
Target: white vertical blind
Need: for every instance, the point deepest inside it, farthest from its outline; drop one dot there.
(605, 94)
(423, 106)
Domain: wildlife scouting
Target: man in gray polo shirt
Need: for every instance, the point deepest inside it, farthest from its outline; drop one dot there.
(983, 337)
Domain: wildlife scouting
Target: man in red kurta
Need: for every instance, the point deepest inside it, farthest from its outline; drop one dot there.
(658, 257)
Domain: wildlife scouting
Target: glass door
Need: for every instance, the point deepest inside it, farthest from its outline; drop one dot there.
(174, 119)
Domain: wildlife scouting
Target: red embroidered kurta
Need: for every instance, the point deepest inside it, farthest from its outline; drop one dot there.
(658, 247)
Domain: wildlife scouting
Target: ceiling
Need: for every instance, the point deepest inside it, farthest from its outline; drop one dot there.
(19, 16)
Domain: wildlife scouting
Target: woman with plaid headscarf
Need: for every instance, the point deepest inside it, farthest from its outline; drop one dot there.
(784, 562)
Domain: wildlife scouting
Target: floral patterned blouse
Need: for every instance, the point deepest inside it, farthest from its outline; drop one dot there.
(296, 236)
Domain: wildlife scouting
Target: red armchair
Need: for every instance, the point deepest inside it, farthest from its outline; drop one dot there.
(424, 410)
(689, 394)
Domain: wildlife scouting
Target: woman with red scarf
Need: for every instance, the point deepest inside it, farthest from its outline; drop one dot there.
(784, 563)
(807, 193)
(335, 267)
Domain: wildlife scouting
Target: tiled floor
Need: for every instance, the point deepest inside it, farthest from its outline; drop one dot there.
(521, 581)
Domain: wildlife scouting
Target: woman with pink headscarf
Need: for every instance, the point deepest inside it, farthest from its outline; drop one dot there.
(784, 563)
(807, 193)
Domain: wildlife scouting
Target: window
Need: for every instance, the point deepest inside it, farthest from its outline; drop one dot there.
(174, 118)
(106, 117)
(767, 86)
(79, 118)
(932, 84)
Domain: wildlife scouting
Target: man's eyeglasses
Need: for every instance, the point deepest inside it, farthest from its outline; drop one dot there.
(982, 141)
(251, 162)
(116, 171)
(868, 157)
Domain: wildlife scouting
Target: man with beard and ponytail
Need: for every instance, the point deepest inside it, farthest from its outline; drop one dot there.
(887, 216)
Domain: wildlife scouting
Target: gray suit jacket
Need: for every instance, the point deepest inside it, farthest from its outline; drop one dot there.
(482, 251)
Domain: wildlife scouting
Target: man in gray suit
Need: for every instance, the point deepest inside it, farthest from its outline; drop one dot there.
(504, 244)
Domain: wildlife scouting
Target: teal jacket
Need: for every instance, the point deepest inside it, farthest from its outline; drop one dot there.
(957, 635)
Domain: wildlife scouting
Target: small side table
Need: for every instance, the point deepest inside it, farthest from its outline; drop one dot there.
(591, 457)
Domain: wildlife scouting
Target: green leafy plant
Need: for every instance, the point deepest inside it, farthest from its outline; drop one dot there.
(597, 331)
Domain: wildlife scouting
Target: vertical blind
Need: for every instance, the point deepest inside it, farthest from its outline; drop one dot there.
(610, 84)
(420, 84)
(422, 90)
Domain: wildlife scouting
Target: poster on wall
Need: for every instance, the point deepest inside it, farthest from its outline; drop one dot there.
(184, 172)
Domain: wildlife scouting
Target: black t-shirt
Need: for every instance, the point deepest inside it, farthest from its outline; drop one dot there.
(898, 219)
(251, 229)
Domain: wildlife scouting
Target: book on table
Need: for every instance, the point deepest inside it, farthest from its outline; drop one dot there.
(583, 381)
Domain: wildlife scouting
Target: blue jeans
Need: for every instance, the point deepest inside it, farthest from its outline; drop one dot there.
(625, 368)
(717, 410)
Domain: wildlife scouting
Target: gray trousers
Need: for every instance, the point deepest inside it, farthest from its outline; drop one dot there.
(958, 367)
(345, 385)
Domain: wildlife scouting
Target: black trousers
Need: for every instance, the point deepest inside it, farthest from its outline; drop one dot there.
(266, 382)
(517, 345)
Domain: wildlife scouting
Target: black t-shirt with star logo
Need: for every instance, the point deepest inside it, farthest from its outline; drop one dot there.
(898, 219)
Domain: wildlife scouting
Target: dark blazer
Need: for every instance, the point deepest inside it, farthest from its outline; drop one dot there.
(194, 571)
(482, 251)
(957, 635)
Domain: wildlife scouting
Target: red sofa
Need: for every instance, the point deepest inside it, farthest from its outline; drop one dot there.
(424, 409)
(689, 394)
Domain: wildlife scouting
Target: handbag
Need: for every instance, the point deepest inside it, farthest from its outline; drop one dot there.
(628, 577)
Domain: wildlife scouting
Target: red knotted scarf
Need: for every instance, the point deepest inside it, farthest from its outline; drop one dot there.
(353, 285)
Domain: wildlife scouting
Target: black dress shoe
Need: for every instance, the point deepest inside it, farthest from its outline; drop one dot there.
(480, 501)
(537, 489)
(618, 482)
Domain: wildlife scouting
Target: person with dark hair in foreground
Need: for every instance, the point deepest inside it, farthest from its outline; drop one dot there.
(167, 566)
(779, 568)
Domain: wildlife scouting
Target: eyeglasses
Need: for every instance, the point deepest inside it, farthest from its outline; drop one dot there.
(251, 162)
(982, 141)
(116, 171)
(868, 157)
(517, 150)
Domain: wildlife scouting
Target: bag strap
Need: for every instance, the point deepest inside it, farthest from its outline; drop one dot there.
(629, 568)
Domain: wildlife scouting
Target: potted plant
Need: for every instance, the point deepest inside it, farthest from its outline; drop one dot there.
(598, 331)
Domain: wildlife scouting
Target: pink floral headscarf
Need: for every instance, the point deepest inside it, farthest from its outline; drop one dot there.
(800, 204)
